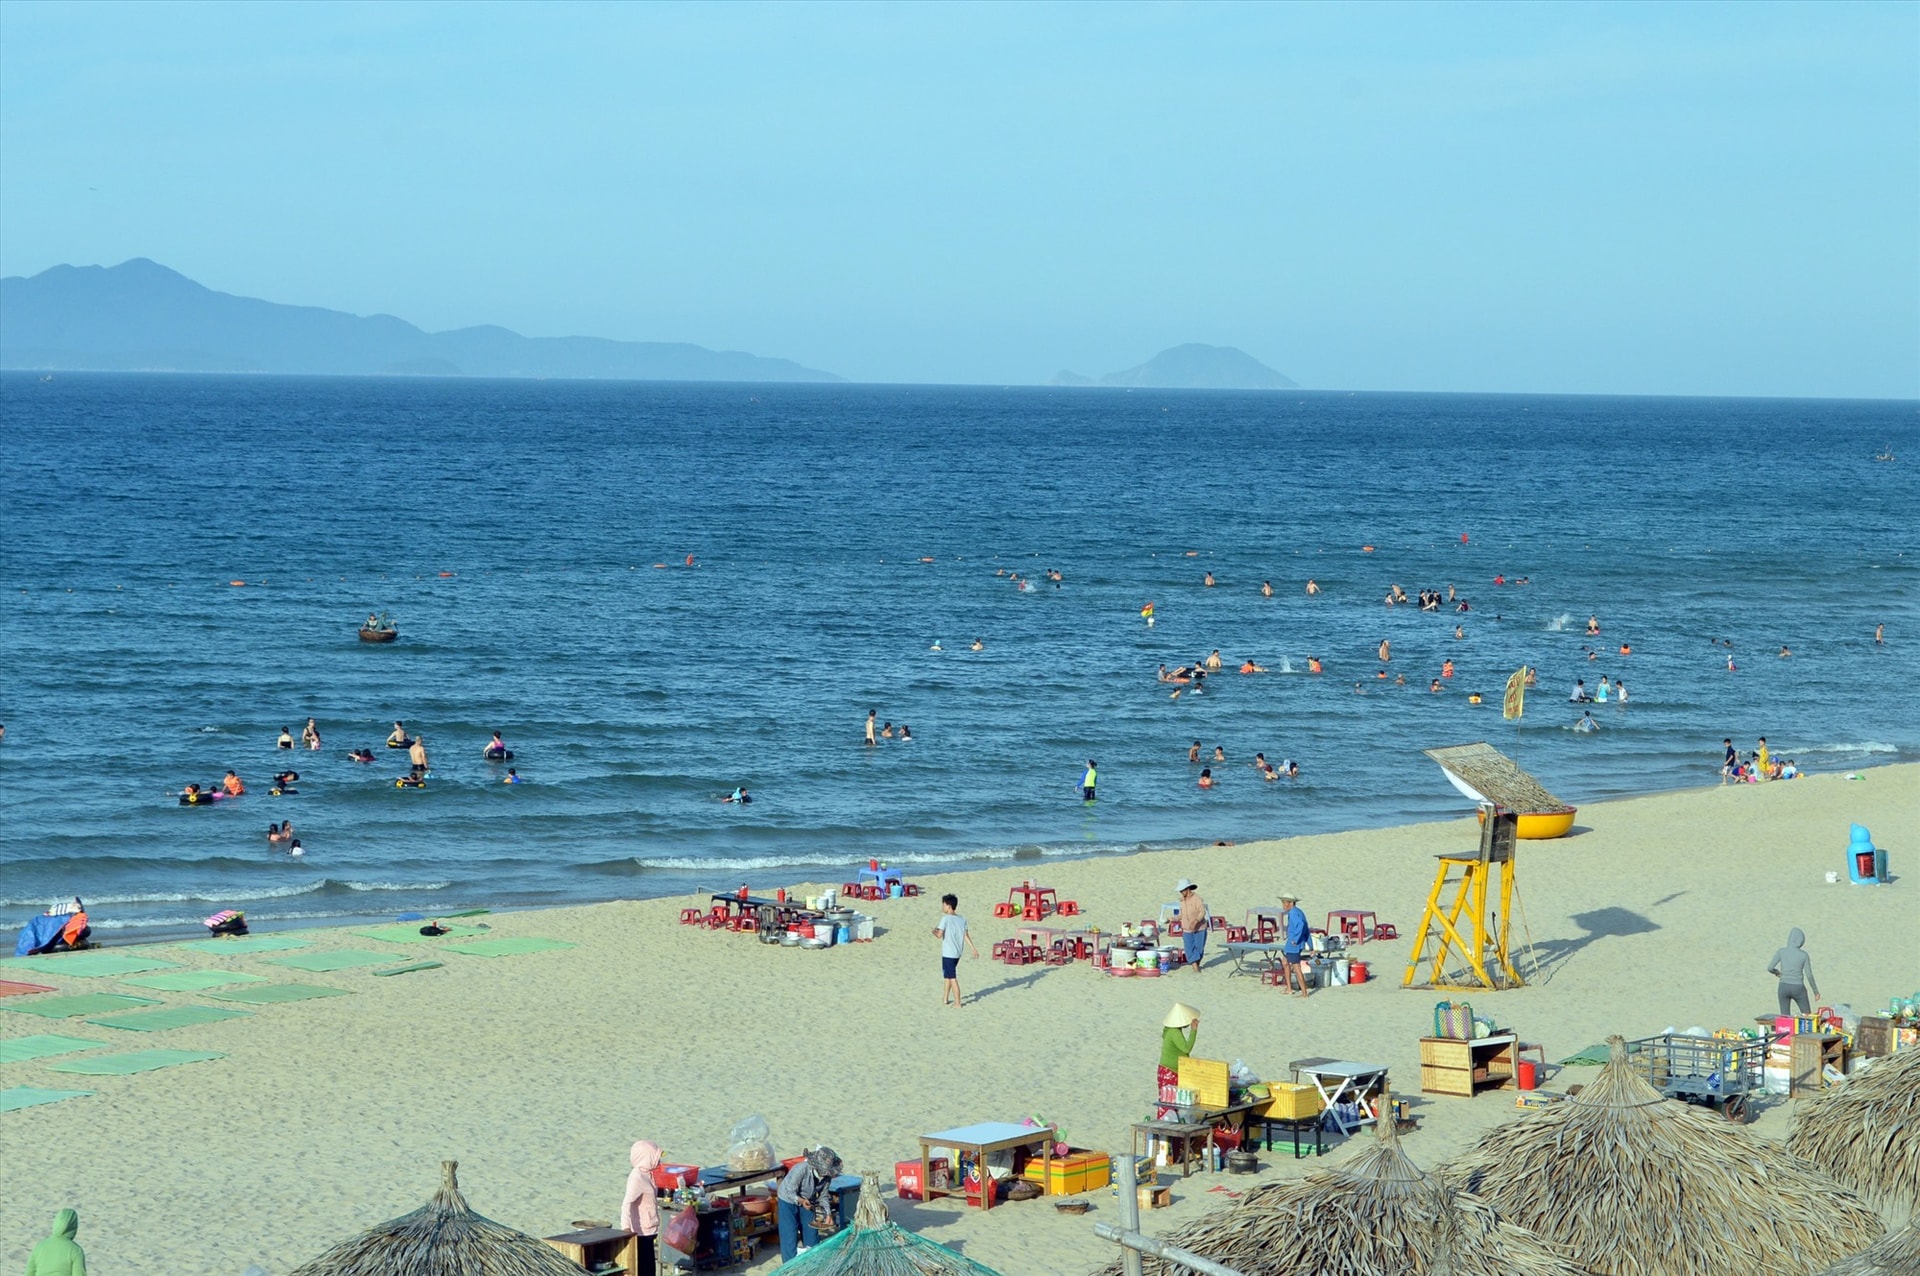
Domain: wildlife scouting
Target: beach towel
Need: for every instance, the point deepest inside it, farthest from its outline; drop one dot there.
(172, 1017)
(1591, 1057)
(411, 967)
(92, 964)
(337, 959)
(86, 1003)
(269, 994)
(505, 947)
(120, 1065)
(27, 1096)
(21, 1049)
(248, 944)
(192, 980)
(14, 988)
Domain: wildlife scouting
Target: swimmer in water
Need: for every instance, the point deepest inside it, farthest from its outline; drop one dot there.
(979, 644)
(232, 784)
(1206, 777)
(1313, 664)
(1593, 625)
(1880, 633)
(1400, 681)
(739, 796)
(296, 848)
(1586, 722)
(1209, 580)
(360, 755)
(886, 731)
(398, 740)
(286, 739)
(1193, 753)
(1533, 677)
(1219, 753)
(1386, 649)
(1731, 667)
(1266, 589)
(906, 734)
(311, 734)
(1600, 696)
(1250, 667)
(1313, 587)
(417, 753)
(1214, 662)
(1785, 652)
(1619, 692)
(1625, 649)
(274, 834)
(871, 715)
(936, 646)
(1458, 632)
(1446, 668)
(512, 777)
(1359, 689)
(496, 750)
(1434, 686)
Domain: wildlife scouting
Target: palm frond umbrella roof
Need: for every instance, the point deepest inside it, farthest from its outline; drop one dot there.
(874, 1245)
(1636, 1184)
(1376, 1214)
(1866, 1133)
(444, 1237)
(1896, 1254)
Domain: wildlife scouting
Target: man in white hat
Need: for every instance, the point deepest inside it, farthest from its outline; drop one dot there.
(1193, 922)
(1295, 937)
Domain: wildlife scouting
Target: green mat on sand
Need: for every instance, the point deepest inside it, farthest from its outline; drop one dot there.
(247, 944)
(507, 947)
(409, 933)
(90, 964)
(27, 1096)
(120, 1065)
(84, 1003)
(191, 980)
(411, 967)
(267, 994)
(338, 959)
(1591, 1057)
(171, 1017)
(23, 1048)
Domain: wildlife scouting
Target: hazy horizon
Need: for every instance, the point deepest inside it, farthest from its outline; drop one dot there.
(1652, 199)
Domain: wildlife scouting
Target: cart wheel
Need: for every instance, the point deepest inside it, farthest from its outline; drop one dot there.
(1734, 1108)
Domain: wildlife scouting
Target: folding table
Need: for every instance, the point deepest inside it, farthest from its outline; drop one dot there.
(1352, 1082)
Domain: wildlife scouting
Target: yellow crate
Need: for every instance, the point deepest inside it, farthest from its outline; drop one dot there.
(1073, 1173)
(1207, 1078)
(1290, 1101)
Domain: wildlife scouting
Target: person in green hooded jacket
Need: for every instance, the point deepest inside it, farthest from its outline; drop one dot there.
(1177, 1033)
(58, 1255)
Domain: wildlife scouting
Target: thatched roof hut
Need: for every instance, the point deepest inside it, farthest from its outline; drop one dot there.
(1866, 1133)
(444, 1237)
(874, 1245)
(1485, 774)
(1376, 1214)
(1896, 1254)
(1636, 1184)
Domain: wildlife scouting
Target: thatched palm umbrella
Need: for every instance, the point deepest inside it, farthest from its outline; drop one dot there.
(444, 1237)
(1867, 1132)
(1636, 1184)
(1377, 1214)
(874, 1245)
(1896, 1254)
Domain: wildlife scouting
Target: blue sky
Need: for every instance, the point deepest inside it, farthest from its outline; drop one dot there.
(1636, 198)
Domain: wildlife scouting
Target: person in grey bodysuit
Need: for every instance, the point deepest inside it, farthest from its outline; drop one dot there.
(1795, 969)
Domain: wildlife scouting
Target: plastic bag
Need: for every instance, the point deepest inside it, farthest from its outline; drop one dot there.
(750, 1146)
(683, 1233)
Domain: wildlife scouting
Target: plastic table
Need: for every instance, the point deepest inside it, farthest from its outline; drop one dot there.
(1261, 914)
(1354, 923)
(987, 1136)
(883, 877)
(1045, 896)
(1352, 1083)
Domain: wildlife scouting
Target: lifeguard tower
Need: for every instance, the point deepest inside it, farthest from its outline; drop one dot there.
(1465, 939)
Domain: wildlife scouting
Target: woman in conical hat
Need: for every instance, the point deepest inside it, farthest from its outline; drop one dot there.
(1177, 1032)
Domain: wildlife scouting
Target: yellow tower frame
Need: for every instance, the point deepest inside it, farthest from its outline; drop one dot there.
(1486, 953)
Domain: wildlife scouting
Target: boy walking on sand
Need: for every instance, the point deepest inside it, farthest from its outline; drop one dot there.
(952, 932)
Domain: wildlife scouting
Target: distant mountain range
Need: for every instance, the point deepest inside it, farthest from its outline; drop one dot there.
(141, 316)
(1192, 367)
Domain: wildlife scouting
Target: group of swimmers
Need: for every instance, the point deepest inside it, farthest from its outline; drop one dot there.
(1756, 766)
(1287, 768)
(1429, 599)
(1616, 691)
(309, 735)
(886, 730)
(278, 833)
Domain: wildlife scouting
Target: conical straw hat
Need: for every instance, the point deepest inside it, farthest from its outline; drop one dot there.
(1180, 1016)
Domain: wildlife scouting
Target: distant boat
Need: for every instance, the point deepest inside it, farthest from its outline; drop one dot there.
(1884, 454)
(379, 629)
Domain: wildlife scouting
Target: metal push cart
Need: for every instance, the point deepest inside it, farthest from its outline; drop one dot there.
(1717, 1072)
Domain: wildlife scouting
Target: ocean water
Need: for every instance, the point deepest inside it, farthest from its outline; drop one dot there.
(532, 540)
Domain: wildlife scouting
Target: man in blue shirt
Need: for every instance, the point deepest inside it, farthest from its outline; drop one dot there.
(1294, 944)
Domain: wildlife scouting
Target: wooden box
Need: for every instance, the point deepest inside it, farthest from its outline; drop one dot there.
(1813, 1053)
(597, 1245)
(1078, 1171)
(1207, 1078)
(1290, 1101)
(1154, 1198)
(1460, 1068)
(1874, 1037)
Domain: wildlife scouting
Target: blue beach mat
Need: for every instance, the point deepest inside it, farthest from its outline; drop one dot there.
(28, 1096)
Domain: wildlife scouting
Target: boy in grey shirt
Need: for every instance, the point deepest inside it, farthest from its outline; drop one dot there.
(952, 932)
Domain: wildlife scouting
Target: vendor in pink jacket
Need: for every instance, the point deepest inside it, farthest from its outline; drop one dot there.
(640, 1207)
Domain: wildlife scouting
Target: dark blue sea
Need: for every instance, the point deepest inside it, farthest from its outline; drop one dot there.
(532, 541)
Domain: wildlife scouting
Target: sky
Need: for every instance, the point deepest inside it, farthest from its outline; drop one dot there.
(1716, 199)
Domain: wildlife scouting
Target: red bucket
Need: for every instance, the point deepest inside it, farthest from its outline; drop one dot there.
(1357, 972)
(1527, 1073)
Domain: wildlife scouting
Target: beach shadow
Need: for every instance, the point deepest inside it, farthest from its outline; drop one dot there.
(1550, 954)
(1027, 980)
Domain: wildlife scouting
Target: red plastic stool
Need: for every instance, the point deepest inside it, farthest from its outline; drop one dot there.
(849, 890)
(1032, 913)
(910, 888)
(1174, 927)
(1236, 934)
(1274, 977)
(1385, 930)
(690, 916)
(1218, 923)
(1003, 910)
(1069, 908)
(870, 892)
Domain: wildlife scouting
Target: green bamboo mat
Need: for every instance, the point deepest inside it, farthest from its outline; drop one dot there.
(85, 1003)
(336, 959)
(27, 1096)
(411, 967)
(268, 994)
(409, 933)
(171, 1017)
(20, 1049)
(90, 965)
(505, 947)
(247, 944)
(120, 1065)
(192, 980)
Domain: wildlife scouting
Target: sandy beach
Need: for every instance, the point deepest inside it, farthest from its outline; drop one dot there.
(536, 1071)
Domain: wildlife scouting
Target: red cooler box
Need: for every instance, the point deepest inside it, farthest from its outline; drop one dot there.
(906, 1178)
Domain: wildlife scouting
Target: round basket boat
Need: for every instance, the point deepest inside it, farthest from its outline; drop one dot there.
(1539, 826)
(378, 635)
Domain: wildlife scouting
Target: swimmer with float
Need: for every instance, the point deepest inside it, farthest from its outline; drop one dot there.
(497, 751)
(399, 739)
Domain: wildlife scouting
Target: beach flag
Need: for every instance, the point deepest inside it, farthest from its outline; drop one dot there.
(1146, 613)
(1515, 702)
